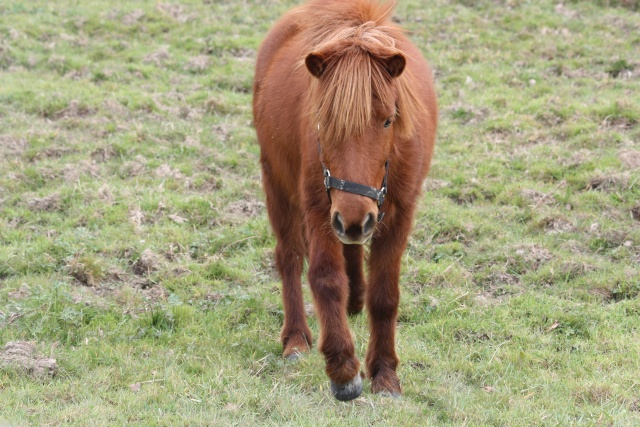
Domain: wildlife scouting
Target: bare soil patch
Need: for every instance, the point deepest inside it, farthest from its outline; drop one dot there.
(176, 11)
(158, 57)
(73, 110)
(12, 146)
(531, 255)
(557, 225)
(198, 63)
(537, 198)
(85, 270)
(133, 17)
(148, 262)
(608, 182)
(247, 208)
(103, 154)
(433, 184)
(630, 158)
(134, 167)
(73, 172)
(23, 356)
(166, 171)
(49, 203)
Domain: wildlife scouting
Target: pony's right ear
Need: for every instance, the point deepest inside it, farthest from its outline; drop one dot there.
(315, 64)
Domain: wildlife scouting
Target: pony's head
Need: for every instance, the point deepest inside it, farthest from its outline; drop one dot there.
(356, 111)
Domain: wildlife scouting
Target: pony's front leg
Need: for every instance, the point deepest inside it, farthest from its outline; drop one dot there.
(382, 298)
(330, 288)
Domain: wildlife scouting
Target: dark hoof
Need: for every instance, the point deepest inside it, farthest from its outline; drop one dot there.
(293, 357)
(348, 391)
(392, 394)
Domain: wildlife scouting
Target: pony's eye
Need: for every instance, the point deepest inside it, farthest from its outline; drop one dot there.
(387, 123)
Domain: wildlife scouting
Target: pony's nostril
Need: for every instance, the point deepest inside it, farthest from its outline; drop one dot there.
(368, 224)
(337, 224)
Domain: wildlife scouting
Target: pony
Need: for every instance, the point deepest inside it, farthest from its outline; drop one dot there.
(345, 113)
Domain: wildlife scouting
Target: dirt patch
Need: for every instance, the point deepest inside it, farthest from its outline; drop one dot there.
(49, 203)
(431, 184)
(165, 171)
(217, 105)
(606, 295)
(618, 122)
(635, 212)
(497, 279)
(23, 356)
(117, 281)
(80, 74)
(572, 269)
(499, 287)
(73, 172)
(245, 208)
(115, 109)
(158, 57)
(73, 110)
(487, 299)
(176, 11)
(134, 167)
(151, 292)
(222, 132)
(155, 293)
(578, 158)
(537, 198)
(148, 262)
(557, 225)
(103, 154)
(12, 146)
(630, 158)
(86, 270)
(531, 256)
(198, 64)
(22, 293)
(133, 17)
(136, 216)
(105, 194)
(608, 182)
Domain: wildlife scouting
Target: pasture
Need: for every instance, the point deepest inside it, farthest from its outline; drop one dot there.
(135, 248)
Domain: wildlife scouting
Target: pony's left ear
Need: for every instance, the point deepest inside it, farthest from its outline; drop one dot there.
(315, 64)
(395, 65)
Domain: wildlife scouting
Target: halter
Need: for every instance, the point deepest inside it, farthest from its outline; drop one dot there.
(355, 188)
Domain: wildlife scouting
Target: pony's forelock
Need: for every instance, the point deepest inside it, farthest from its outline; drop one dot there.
(354, 49)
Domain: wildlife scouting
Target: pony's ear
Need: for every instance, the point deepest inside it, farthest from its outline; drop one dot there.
(395, 64)
(315, 64)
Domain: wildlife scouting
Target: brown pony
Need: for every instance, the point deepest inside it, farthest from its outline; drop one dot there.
(344, 107)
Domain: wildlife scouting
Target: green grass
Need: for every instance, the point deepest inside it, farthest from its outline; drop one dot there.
(135, 248)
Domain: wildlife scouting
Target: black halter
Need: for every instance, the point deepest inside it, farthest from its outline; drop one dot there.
(355, 188)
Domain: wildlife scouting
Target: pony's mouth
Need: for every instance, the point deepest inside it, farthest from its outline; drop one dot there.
(348, 240)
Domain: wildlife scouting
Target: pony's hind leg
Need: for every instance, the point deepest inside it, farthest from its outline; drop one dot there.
(286, 222)
(353, 256)
(295, 334)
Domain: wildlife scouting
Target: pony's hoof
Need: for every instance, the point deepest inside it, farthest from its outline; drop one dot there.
(348, 391)
(391, 394)
(293, 357)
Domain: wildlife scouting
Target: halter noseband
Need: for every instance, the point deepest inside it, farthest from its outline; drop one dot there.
(355, 188)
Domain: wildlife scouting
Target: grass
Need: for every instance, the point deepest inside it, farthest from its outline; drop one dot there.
(135, 249)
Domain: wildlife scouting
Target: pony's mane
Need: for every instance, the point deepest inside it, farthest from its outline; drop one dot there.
(354, 38)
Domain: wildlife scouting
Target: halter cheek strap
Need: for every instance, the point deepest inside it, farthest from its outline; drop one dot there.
(355, 188)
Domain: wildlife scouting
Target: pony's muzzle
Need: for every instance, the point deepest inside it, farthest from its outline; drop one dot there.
(357, 232)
